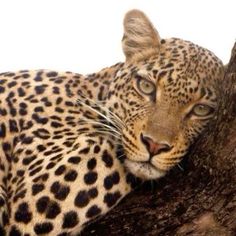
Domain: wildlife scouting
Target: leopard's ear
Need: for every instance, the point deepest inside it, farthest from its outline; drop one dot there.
(140, 39)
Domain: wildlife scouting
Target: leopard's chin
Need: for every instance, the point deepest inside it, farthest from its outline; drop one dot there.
(144, 170)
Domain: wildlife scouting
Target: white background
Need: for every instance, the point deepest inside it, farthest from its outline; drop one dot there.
(85, 36)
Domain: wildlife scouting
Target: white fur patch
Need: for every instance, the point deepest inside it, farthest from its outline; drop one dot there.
(144, 170)
(119, 73)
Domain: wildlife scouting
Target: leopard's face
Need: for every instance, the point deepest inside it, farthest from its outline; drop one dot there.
(165, 100)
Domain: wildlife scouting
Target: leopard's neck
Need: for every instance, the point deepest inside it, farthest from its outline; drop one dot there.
(97, 84)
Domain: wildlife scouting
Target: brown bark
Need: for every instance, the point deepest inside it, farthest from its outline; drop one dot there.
(199, 200)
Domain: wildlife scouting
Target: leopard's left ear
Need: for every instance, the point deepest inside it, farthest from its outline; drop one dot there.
(140, 39)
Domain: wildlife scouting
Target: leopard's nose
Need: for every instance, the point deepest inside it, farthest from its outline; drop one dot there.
(153, 147)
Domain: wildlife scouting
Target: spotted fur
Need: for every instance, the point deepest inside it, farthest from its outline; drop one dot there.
(72, 144)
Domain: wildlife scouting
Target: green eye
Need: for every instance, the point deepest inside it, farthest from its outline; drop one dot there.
(202, 110)
(145, 86)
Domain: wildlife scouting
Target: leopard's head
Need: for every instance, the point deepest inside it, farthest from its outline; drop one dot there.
(164, 94)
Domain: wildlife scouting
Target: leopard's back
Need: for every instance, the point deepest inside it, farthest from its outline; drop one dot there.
(57, 173)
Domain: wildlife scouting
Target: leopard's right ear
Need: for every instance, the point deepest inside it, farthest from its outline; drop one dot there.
(140, 39)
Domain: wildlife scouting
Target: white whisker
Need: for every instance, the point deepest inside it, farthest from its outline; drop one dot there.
(100, 114)
(93, 109)
(108, 133)
(113, 118)
(180, 167)
(88, 121)
(121, 156)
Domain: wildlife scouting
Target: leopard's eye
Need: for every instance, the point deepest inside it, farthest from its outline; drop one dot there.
(146, 87)
(202, 110)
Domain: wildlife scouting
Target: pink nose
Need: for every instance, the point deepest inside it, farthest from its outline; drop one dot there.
(153, 147)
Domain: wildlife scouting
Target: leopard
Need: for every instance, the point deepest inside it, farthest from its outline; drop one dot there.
(72, 146)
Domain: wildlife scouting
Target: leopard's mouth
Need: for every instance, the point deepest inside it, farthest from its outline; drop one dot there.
(144, 170)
